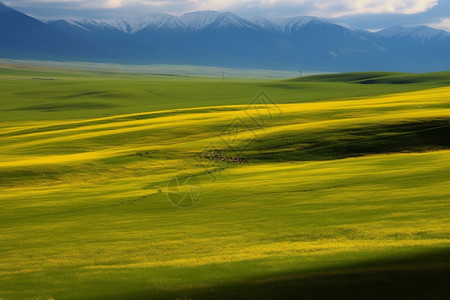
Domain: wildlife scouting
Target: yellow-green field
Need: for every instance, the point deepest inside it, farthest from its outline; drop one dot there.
(344, 192)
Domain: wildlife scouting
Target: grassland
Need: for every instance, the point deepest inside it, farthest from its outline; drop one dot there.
(345, 192)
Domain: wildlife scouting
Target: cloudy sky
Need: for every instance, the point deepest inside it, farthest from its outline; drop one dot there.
(367, 14)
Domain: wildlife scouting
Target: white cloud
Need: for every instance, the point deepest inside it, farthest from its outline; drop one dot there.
(320, 8)
(350, 7)
(339, 8)
(114, 3)
(442, 24)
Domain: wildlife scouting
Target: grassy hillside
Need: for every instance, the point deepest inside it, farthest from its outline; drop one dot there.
(340, 188)
(380, 78)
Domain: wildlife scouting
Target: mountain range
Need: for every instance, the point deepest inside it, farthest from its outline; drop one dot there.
(225, 39)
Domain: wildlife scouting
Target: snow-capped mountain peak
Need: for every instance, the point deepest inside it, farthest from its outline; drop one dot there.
(187, 22)
(290, 25)
(153, 20)
(199, 19)
(84, 24)
(214, 38)
(228, 19)
(266, 24)
(419, 32)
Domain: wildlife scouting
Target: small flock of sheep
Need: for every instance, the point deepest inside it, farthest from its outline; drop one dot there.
(217, 155)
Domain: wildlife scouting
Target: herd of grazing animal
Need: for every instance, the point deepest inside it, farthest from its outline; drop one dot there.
(217, 155)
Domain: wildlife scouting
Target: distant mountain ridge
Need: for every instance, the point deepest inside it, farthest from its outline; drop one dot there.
(225, 39)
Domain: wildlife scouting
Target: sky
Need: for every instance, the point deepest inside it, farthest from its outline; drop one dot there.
(364, 14)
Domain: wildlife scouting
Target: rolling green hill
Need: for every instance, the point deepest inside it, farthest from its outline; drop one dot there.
(380, 78)
(139, 186)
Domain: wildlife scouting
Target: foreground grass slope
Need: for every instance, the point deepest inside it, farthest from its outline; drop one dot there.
(345, 190)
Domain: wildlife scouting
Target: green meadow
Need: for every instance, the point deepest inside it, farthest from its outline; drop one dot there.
(130, 185)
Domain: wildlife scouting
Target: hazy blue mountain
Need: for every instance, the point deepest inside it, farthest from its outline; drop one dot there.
(330, 45)
(230, 40)
(419, 33)
(22, 36)
(416, 48)
(88, 29)
(225, 39)
(115, 42)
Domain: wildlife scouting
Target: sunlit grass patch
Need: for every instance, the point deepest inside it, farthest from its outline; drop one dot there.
(337, 177)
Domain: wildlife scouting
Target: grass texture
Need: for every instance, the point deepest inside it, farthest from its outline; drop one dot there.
(344, 192)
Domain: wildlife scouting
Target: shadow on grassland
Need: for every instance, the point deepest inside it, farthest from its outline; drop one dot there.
(413, 276)
(420, 136)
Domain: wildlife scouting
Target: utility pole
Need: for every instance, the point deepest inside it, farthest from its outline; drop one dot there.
(223, 76)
